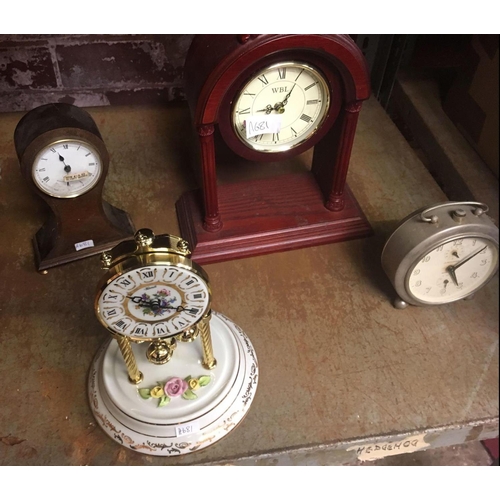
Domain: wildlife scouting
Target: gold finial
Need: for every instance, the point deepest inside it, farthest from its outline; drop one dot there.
(144, 237)
(160, 351)
(106, 260)
(183, 246)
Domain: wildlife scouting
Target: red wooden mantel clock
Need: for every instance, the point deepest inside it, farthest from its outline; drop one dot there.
(272, 97)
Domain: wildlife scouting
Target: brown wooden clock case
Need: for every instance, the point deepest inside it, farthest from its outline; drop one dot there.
(76, 218)
(289, 211)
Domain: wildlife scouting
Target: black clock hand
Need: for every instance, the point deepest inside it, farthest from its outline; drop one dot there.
(451, 270)
(67, 168)
(455, 267)
(156, 304)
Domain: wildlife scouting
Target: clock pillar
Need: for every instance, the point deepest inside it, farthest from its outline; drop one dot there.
(212, 220)
(134, 375)
(336, 201)
(209, 362)
(268, 214)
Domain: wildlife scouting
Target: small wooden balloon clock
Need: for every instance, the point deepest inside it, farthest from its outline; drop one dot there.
(65, 161)
(271, 98)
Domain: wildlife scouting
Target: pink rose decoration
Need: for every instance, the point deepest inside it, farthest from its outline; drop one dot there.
(175, 387)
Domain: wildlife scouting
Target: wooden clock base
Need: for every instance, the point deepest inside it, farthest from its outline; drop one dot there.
(268, 215)
(54, 243)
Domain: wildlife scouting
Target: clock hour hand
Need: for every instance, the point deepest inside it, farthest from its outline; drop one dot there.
(451, 270)
(267, 109)
(155, 304)
(67, 168)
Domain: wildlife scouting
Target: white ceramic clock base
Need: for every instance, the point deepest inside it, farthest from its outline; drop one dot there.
(197, 408)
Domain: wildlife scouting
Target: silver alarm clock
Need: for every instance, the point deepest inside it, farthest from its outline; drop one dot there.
(441, 254)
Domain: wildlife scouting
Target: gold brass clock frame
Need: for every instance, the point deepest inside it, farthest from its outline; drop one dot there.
(146, 250)
(80, 223)
(441, 254)
(166, 384)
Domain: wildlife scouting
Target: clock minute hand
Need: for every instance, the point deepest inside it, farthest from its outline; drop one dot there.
(285, 100)
(455, 267)
(152, 304)
(280, 106)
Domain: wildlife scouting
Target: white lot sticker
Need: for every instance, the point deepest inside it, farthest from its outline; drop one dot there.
(184, 430)
(84, 244)
(257, 125)
(383, 449)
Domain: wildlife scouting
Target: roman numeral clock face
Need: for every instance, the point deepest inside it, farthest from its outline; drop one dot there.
(67, 168)
(281, 107)
(153, 302)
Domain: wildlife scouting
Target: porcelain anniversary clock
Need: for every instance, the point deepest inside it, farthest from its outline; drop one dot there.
(175, 376)
(65, 161)
(268, 99)
(441, 254)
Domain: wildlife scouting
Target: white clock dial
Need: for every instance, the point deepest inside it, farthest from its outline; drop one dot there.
(294, 94)
(453, 270)
(154, 301)
(67, 168)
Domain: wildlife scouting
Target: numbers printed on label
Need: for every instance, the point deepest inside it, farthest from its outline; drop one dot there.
(84, 244)
(184, 430)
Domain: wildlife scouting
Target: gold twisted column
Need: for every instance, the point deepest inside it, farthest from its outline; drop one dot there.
(134, 375)
(209, 362)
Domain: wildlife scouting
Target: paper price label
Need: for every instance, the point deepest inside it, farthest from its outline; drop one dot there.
(84, 244)
(257, 125)
(184, 430)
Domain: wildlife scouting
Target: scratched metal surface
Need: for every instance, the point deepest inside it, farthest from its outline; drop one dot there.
(338, 364)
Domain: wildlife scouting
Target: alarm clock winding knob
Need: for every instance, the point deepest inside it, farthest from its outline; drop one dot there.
(458, 214)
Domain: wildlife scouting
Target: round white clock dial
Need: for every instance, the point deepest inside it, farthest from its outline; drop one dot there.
(293, 94)
(67, 168)
(153, 302)
(453, 270)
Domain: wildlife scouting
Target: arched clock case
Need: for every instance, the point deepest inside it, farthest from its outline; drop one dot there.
(313, 84)
(64, 159)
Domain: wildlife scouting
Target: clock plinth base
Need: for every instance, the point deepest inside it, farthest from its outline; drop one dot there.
(54, 244)
(183, 425)
(268, 215)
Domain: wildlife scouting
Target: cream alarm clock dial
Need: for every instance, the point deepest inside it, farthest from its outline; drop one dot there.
(453, 270)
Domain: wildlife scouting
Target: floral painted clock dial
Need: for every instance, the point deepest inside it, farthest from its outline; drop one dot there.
(156, 302)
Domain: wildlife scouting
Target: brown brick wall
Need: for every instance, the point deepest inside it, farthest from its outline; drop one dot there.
(90, 70)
